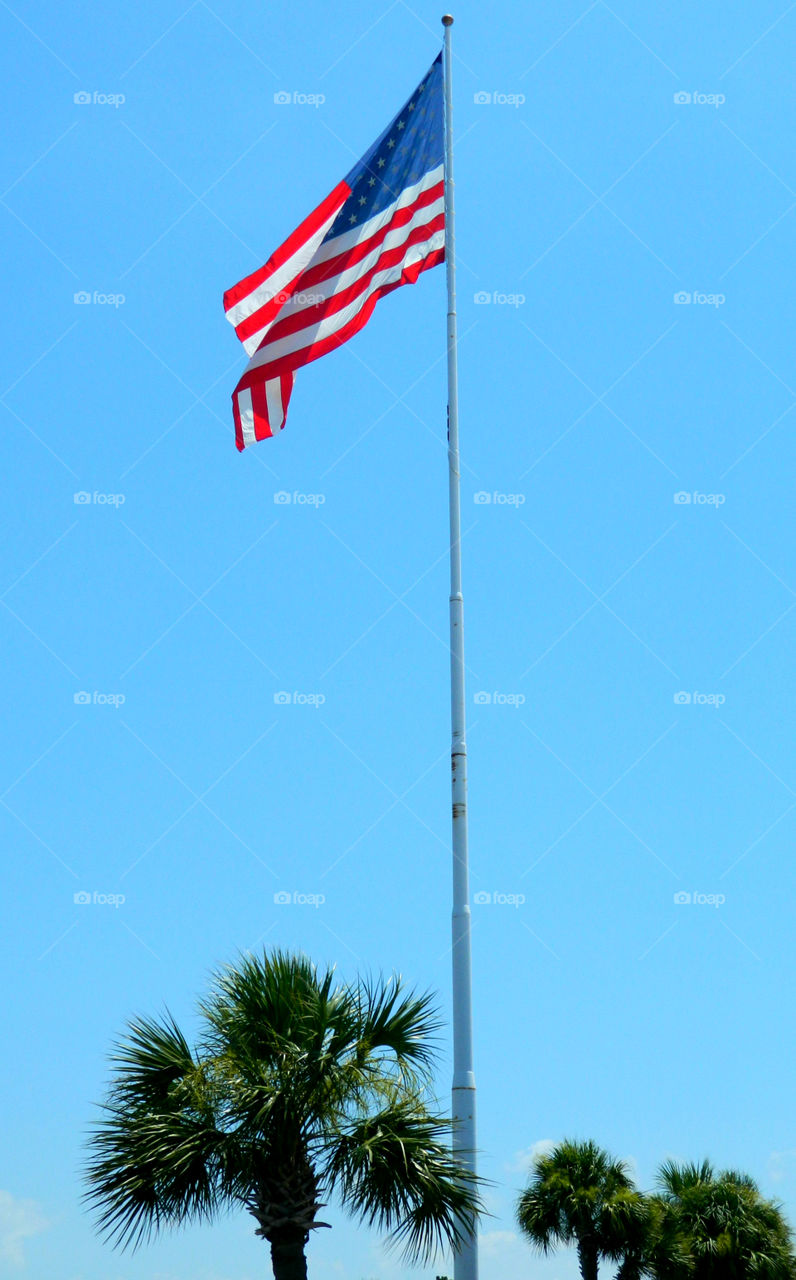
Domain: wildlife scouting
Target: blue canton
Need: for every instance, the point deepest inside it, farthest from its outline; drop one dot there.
(410, 147)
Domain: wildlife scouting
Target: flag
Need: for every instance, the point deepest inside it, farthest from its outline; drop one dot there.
(378, 229)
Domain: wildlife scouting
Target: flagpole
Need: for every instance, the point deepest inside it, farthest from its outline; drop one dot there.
(465, 1264)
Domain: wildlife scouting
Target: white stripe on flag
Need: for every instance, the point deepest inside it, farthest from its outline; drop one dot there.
(311, 334)
(273, 398)
(279, 280)
(335, 284)
(246, 416)
(348, 239)
(393, 239)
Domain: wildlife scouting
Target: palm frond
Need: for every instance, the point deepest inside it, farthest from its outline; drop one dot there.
(263, 1004)
(150, 1058)
(397, 1020)
(150, 1171)
(395, 1169)
(541, 1220)
(156, 1155)
(674, 1179)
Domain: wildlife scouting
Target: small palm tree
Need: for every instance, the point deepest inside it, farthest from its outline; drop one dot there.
(579, 1195)
(298, 1086)
(733, 1232)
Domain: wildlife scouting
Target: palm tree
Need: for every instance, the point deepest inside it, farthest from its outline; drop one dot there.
(733, 1232)
(656, 1246)
(578, 1194)
(297, 1087)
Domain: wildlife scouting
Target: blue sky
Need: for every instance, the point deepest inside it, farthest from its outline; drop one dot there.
(637, 546)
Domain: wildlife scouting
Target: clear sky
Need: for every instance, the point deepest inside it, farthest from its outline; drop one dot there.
(588, 198)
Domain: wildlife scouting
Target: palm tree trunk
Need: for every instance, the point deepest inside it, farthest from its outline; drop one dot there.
(288, 1260)
(588, 1260)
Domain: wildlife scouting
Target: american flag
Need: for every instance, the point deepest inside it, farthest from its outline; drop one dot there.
(378, 229)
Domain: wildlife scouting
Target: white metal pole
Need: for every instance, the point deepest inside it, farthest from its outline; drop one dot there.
(465, 1265)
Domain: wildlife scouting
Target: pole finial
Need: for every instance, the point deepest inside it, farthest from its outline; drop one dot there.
(447, 20)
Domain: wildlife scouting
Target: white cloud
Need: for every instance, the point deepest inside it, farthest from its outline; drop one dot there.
(523, 1160)
(493, 1242)
(506, 1256)
(19, 1220)
(781, 1165)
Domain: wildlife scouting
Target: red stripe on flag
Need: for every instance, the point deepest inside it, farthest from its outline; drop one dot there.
(287, 390)
(316, 274)
(260, 410)
(295, 240)
(309, 317)
(236, 416)
(305, 355)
